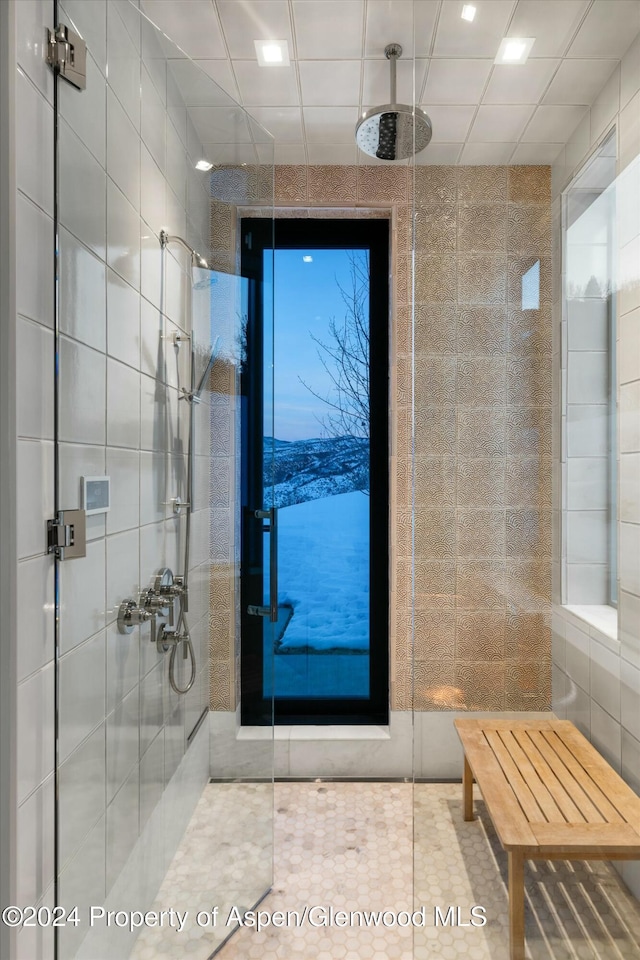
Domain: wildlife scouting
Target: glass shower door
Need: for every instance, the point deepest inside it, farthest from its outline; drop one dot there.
(148, 352)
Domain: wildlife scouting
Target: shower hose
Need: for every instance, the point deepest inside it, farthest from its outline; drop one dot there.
(182, 621)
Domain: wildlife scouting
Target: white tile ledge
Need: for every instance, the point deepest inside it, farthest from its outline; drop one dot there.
(602, 620)
(314, 732)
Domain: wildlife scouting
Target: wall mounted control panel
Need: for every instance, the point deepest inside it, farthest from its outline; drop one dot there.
(96, 494)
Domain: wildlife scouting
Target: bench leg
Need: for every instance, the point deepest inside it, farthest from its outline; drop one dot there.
(516, 905)
(467, 790)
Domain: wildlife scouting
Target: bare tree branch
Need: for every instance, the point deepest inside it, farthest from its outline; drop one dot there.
(345, 359)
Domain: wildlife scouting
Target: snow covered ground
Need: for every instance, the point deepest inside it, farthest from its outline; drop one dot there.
(323, 563)
(324, 574)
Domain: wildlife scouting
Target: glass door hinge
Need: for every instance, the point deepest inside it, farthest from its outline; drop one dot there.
(67, 535)
(67, 54)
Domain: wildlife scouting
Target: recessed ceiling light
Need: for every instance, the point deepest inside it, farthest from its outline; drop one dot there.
(204, 165)
(515, 50)
(307, 259)
(468, 12)
(272, 53)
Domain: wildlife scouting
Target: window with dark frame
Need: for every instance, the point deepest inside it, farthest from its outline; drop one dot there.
(315, 410)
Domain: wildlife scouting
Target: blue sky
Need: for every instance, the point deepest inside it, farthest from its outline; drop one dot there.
(306, 298)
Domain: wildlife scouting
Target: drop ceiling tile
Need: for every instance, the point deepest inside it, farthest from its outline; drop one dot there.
(536, 153)
(425, 21)
(329, 29)
(553, 124)
(486, 153)
(523, 83)
(605, 106)
(266, 86)
(220, 72)
(630, 70)
(456, 81)
(287, 153)
(242, 23)
(552, 22)
(450, 124)
(326, 82)
(608, 29)
(500, 123)
(375, 87)
(222, 124)
(439, 154)
(192, 24)
(332, 153)
(456, 37)
(579, 81)
(330, 124)
(234, 153)
(283, 123)
(390, 21)
(259, 133)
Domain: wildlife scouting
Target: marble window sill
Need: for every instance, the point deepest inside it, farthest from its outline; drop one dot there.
(601, 620)
(314, 732)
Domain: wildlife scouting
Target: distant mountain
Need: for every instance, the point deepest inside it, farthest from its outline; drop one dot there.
(313, 469)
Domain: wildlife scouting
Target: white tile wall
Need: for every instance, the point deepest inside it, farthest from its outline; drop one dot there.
(82, 279)
(35, 839)
(85, 114)
(123, 320)
(35, 615)
(35, 731)
(123, 417)
(35, 380)
(111, 706)
(605, 678)
(122, 828)
(81, 693)
(35, 495)
(35, 137)
(123, 666)
(82, 413)
(83, 597)
(82, 199)
(124, 468)
(123, 160)
(606, 735)
(609, 708)
(34, 243)
(122, 742)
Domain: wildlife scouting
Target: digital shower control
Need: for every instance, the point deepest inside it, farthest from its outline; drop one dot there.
(96, 494)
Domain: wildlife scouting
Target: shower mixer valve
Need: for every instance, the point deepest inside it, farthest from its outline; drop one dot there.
(157, 601)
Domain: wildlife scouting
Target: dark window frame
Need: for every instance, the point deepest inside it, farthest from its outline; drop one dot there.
(258, 235)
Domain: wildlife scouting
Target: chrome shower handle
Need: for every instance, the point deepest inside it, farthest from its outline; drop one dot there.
(270, 611)
(130, 615)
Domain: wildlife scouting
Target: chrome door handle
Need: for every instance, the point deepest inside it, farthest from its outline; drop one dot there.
(271, 528)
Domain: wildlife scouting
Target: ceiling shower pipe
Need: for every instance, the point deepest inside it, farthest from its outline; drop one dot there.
(393, 131)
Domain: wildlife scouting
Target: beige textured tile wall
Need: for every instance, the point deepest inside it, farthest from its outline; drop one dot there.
(482, 442)
(478, 636)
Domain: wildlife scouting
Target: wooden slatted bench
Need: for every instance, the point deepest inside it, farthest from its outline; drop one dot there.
(550, 795)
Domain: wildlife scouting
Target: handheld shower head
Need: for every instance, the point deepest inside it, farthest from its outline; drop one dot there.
(393, 131)
(197, 260)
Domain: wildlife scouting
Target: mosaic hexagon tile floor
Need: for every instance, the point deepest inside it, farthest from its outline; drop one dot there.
(352, 847)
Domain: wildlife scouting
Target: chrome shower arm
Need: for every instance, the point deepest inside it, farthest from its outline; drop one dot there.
(197, 260)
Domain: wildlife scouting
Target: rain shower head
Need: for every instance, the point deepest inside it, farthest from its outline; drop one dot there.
(393, 131)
